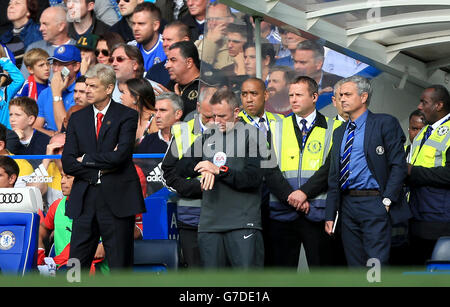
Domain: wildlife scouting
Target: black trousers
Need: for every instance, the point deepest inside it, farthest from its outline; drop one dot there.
(286, 239)
(240, 248)
(190, 254)
(97, 220)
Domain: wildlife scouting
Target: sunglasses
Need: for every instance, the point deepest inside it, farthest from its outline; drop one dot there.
(119, 59)
(126, 1)
(104, 52)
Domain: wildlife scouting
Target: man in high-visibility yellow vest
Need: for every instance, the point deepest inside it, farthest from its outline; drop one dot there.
(302, 144)
(189, 203)
(254, 96)
(429, 175)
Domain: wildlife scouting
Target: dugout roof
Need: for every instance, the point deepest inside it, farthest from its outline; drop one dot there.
(407, 38)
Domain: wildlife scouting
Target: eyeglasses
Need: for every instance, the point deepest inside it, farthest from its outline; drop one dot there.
(119, 59)
(126, 1)
(104, 52)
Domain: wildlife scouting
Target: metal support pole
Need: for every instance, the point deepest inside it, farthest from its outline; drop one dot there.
(258, 20)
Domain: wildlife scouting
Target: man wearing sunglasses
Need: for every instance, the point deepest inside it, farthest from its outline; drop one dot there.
(127, 62)
(123, 26)
(145, 23)
(56, 99)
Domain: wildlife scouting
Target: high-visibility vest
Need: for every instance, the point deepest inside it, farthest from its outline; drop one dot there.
(184, 135)
(298, 166)
(271, 117)
(432, 152)
(188, 210)
(430, 203)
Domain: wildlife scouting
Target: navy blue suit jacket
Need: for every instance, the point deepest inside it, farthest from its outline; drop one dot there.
(112, 152)
(385, 155)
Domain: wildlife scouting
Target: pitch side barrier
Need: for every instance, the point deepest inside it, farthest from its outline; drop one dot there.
(159, 222)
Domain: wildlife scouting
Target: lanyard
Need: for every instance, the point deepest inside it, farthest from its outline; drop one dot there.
(252, 121)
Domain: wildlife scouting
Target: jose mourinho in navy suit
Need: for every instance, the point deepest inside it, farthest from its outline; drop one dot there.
(366, 177)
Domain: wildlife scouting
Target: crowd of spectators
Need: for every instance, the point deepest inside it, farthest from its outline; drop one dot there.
(163, 53)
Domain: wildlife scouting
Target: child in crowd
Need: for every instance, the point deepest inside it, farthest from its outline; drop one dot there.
(23, 112)
(36, 62)
(11, 80)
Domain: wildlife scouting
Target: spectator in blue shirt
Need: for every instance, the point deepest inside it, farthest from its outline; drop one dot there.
(145, 24)
(11, 80)
(58, 98)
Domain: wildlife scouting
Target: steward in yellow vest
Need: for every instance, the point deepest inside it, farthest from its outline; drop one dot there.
(301, 144)
(429, 174)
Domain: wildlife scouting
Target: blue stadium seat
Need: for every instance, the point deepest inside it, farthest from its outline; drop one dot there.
(440, 258)
(155, 255)
(441, 251)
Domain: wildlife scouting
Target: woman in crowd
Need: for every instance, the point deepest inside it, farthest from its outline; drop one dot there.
(24, 30)
(105, 44)
(138, 94)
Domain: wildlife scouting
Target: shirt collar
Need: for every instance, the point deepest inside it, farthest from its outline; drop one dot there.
(439, 122)
(360, 120)
(96, 111)
(309, 119)
(340, 118)
(160, 136)
(203, 127)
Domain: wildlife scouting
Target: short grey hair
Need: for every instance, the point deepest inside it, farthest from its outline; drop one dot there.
(177, 102)
(362, 84)
(104, 73)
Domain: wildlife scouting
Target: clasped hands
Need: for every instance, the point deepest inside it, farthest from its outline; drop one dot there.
(299, 200)
(208, 172)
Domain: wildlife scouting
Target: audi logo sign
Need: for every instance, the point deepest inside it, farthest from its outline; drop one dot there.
(26, 199)
(11, 198)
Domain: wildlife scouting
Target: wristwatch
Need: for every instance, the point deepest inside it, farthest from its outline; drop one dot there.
(57, 98)
(223, 170)
(386, 202)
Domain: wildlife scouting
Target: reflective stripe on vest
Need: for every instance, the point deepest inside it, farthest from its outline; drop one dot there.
(271, 117)
(182, 132)
(432, 152)
(297, 166)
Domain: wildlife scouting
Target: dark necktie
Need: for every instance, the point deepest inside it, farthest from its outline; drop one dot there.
(426, 135)
(304, 129)
(304, 132)
(345, 161)
(99, 122)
